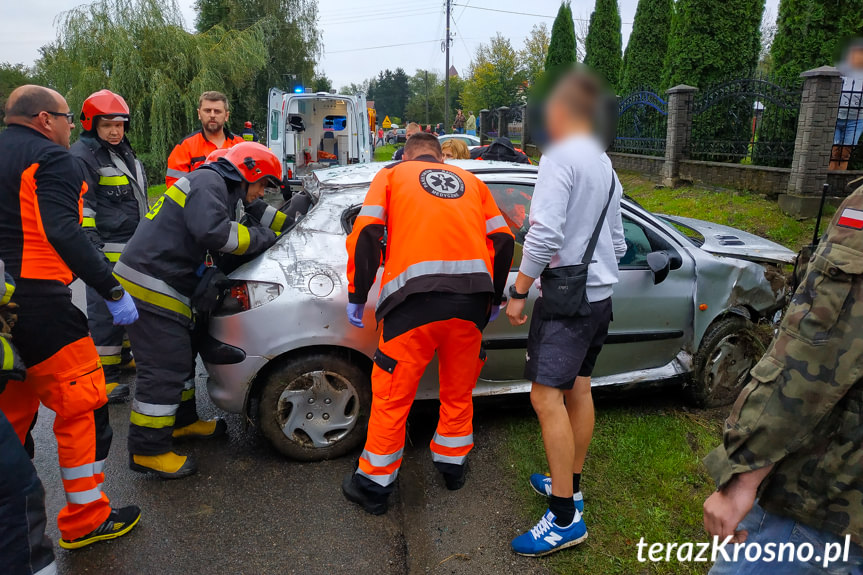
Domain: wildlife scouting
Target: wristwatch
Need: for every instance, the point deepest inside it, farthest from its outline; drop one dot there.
(513, 293)
(116, 293)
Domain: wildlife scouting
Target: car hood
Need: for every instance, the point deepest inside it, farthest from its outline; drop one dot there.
(727, 241)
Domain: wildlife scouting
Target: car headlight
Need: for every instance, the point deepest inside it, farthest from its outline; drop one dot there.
(247, 295)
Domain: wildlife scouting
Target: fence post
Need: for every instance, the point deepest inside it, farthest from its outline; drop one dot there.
(678, 132)
(484, 118)
(502, 122)
(816, 125)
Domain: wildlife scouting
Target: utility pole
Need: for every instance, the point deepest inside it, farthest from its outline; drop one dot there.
(427, 97)
(446, 71)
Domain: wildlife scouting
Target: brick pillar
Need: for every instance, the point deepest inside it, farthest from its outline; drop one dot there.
(819, 105)
(526, 136)
(484, 125)
(678, 132)
(502, 122)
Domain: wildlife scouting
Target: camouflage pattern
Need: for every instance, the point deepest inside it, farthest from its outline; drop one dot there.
(803, 408)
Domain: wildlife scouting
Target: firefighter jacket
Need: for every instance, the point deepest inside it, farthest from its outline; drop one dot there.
(41, 239)
(444, 233)
(163, 262)
(116, 198)
(11, 365)
(191, 153)
(802, 411)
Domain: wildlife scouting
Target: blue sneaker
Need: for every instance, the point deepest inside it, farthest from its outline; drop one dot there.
(547, 537)
(541, 483)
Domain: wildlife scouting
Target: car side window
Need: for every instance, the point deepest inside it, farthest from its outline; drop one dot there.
(637, 245)
(513, 201)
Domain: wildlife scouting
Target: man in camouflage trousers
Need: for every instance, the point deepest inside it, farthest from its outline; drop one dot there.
(794, 439)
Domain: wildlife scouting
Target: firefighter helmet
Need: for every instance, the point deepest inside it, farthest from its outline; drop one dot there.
(103, 104)
(254, 161)
(215, 155)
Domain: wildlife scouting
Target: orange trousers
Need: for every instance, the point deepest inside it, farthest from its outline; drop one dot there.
(71, 384)
(399, 365)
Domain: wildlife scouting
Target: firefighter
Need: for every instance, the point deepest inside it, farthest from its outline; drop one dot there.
(44, 248)
(168, 268)
(116, 200)
(448, 255)
(214, 112)
(249, 132)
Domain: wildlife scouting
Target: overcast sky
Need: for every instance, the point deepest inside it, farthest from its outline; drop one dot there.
(359, 37)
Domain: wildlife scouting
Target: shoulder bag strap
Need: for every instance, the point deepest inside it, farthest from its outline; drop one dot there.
(594, 239)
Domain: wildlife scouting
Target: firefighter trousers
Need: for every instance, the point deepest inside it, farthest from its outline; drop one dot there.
(24, 547)
(70, 383)
(110, 339)
(165, 353)
(399, 364)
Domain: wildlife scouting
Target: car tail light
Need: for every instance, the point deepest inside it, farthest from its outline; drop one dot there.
(244, 296)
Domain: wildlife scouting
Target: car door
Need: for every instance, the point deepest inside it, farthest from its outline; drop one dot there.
(276, 123)
(650, 321)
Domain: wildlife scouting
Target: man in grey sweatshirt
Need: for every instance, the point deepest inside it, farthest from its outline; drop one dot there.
(572, 189)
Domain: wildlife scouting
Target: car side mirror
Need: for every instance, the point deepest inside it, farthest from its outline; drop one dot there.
(660, 265)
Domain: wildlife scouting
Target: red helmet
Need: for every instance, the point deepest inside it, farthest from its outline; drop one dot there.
(248, 124)
(215, 155)
(105, 104)
(255, 161)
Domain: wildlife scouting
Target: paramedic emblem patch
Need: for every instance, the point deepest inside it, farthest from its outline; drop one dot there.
(442, 183)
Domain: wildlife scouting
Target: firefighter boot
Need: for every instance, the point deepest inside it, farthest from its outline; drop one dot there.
(117, 392)
(167, 465)
(119, 522)
(202, 429)
(373, 503)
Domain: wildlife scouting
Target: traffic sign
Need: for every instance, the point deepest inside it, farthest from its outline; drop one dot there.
(386, 123)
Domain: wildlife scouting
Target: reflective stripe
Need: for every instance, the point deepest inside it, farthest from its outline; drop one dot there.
(8, 357)
(152, 290)
(80, 472)
(455, 460)
(99, 467)
(176, 173)
(88, 213)
(113, 181)
(382, 480)
(150, 421)
(269, 214)
(494, 223)
(154, 409)
(113, 247)
(111, 359)
(463, 441)
(8, 290)
(113, 256)
(238, 240)
(48, 570)
(382, 460)
(88, 223)
(377, 212)
(189, 383)
(278, 222)
(84, 497)
(435, 267)
(108, 349)
(177, 195)
(188, 394)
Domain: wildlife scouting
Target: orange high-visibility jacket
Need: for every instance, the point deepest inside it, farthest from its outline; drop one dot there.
(191, 153)
(444, 233)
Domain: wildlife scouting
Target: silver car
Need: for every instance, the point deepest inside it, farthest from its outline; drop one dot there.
(685, 311)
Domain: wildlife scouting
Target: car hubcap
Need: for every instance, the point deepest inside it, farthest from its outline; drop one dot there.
(318, 409)
(728, 368)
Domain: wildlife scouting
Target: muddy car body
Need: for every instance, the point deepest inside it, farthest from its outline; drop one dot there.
(689, 296)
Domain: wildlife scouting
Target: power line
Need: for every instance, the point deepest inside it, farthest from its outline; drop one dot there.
(466, 6)
(381, 47)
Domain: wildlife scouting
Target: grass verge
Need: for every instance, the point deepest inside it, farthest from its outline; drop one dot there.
(385, 153)
(153, 192)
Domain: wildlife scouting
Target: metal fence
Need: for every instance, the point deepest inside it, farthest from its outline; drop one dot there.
(746, 120)
(642, 119)
(847, 153)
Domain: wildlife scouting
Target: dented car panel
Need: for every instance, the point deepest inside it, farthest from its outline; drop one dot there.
(299, 292)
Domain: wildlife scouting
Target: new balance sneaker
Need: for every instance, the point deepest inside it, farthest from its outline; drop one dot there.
(547, 537)
(119, 522)
(541, 483)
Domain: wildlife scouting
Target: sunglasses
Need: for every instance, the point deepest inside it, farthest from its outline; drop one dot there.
(70, 117)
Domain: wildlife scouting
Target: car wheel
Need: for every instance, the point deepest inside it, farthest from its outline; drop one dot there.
(729, 349)
(316, 407)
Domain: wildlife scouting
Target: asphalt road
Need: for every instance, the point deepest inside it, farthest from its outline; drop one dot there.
(251, 511)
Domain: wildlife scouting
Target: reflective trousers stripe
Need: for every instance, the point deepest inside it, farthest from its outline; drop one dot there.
(152, 415)
(187, 395)
(382, 480)
(48, 569)
(434, 267)
(110, 359)
(82, 471)
(453, 459)
(88, 223)
(238, 240)
(463, 441)
(108, 349)
(150, 421)
(494, 223)
(88, 212)
(113, 181)
(152, 290)
(113, 247)
(154, 409)
(8, 355)
(382, 460)
(84, 497)
(8, 290)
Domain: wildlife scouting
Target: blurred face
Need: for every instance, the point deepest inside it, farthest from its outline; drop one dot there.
(855, 58)
(410, 132)
(556, 120)
(256, 191)
(111, 131)
(213, 115)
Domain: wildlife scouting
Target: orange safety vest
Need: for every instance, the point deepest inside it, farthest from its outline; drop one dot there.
(444, 234)
(191, 153)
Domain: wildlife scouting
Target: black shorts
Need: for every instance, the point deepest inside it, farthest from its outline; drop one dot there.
(559, 350)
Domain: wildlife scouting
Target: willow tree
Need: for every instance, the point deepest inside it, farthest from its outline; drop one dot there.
(141, 50)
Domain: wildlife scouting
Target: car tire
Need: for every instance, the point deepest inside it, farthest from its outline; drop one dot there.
(730, 348)
(316, 407)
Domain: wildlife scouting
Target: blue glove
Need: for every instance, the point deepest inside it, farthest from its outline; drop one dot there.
(495, 311)
(355, 314)
(124, 311)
